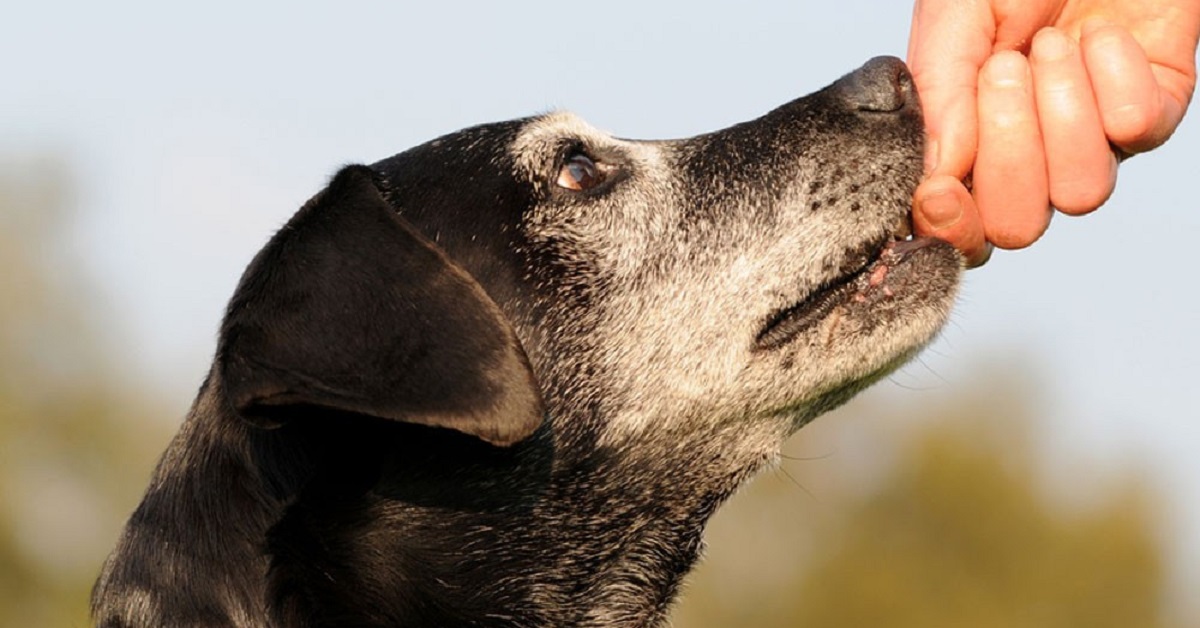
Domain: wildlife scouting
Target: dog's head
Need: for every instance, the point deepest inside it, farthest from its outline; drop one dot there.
(758, 274)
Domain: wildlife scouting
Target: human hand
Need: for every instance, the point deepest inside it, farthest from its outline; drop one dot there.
(1037, 100)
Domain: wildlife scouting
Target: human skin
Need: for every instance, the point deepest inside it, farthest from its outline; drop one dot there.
(1037, 101)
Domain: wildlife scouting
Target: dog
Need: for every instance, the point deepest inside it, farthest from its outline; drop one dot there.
(505, 377)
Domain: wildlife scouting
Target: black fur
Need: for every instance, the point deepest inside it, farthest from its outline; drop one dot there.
(348, 308)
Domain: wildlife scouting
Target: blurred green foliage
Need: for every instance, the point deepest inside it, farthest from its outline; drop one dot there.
(76, 441)
(944, 527)
(957, 529)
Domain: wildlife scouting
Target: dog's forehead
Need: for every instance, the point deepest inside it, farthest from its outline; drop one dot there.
(544, 137)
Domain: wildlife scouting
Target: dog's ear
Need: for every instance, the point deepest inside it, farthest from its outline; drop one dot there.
(349, 309)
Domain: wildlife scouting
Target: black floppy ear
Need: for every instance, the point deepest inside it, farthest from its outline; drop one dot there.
(348, 308)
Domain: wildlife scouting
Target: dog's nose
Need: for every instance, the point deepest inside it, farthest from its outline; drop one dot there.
(881, 85)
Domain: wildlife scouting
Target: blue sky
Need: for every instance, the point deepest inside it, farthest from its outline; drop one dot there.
(195, 131)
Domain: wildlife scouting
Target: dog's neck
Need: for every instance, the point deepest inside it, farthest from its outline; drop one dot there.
(379, 523)
(455, 532)
(630, 522)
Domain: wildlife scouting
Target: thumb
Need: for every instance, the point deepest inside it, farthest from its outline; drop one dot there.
(949, 42)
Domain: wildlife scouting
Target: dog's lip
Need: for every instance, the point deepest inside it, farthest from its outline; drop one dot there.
(862, 273)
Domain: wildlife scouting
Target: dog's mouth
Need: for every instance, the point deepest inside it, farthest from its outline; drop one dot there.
(863, 279)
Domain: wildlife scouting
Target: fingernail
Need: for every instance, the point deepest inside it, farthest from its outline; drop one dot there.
(941, 209)
(1052, 44)
(1006, 70)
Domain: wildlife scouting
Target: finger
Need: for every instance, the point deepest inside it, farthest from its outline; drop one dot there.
(943, 208)
(948, 43)
(1010, 184)
(1080, 167)
(1135, 113)
(1170, 43)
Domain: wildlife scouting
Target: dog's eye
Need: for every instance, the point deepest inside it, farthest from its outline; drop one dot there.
(579, 173)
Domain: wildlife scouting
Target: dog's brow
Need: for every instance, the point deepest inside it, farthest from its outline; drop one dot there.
(545, 134)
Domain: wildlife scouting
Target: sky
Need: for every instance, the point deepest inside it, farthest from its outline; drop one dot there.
(193, 132)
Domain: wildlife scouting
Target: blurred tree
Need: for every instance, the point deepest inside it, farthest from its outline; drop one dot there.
(957, 532)
(76, 442)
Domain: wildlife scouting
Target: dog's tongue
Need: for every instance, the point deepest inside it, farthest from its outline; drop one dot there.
(902, 248)
(892, 254)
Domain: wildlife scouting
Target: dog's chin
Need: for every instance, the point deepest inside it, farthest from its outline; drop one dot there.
(867, 321)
